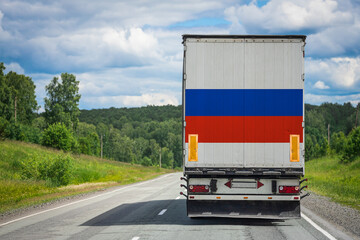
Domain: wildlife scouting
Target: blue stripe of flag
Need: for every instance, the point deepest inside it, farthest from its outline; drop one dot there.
(244, 102)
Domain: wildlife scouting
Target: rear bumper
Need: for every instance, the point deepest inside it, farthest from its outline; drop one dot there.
(248, 197)
(244, 209)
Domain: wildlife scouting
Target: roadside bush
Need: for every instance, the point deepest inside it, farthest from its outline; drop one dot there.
(59, 171)
(58, 136)
(55, 171)
(352, 146)
(146, 162)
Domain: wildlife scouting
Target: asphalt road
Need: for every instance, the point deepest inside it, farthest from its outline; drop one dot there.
(148, 210)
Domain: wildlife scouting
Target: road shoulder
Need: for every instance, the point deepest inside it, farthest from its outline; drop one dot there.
(344, 221)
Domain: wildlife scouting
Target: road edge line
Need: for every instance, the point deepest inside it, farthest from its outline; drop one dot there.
(317, 227)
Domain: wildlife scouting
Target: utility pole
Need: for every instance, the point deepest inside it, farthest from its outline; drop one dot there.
(329, 134)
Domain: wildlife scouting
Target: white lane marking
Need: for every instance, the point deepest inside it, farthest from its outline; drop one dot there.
(328, 235)
(135, 238)
(83, 200)
(162, 212)
(178, 197)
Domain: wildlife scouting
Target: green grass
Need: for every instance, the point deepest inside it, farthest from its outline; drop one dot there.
(341, 182)
(16, 191)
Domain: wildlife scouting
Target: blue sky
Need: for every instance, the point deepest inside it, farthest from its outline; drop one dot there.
(129, 53)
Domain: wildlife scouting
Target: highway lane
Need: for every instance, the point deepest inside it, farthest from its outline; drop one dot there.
(149, 210)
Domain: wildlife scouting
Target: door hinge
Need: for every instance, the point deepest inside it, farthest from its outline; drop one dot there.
(184, 77)
(303, 77)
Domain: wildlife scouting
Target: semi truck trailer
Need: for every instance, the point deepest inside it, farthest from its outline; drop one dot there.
(243, 125)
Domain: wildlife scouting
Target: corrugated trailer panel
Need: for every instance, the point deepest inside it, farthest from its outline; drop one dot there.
(244, 98)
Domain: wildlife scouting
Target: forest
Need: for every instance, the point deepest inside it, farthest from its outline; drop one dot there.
(332, 128)
(151, 135)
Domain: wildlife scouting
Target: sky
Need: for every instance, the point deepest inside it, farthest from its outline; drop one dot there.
(128, 53)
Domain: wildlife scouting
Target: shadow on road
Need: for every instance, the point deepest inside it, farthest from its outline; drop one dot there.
(143, 213)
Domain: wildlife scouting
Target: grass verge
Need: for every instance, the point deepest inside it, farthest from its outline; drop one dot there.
(18, 190)
(341, 182)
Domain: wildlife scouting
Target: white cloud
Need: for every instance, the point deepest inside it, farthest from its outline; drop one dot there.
(15, 67)
(91, 49)
(158, 99)
(321, 85)
(133, 40)
(67, 15)
(4, 35)
(342, 72)
(289, 15)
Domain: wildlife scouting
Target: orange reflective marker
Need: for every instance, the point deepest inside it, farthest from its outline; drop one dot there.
(193, 148)
(294, 148)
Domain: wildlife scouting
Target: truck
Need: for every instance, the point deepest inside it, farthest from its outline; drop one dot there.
(243, 125)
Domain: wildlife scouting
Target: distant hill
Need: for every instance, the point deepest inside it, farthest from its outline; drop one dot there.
(115, 116)
(140, 135)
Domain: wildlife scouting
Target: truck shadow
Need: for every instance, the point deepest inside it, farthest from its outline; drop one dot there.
(143, 213)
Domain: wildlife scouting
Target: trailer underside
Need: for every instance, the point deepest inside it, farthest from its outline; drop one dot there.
(244, 209)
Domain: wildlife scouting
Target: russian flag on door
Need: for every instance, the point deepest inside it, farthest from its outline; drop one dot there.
(244, 115)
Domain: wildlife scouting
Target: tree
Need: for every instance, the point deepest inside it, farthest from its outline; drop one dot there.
(58, 136)
(121, 146)
(62, 103)
(5, 95)
(17, 97)
(338, 142)
(167, 160)
(23, 97)
(175, 145)
(88, 139)
(103, 131)
(140, 145)
(309, 148)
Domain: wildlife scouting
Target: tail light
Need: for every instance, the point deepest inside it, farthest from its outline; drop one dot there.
(198, 188)
(289, 189)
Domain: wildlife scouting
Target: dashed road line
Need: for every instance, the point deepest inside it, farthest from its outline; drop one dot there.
(177, 197)
(328, 235)
(135, 238)
(162, 212)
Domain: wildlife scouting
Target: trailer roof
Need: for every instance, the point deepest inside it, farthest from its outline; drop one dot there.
(185, 36)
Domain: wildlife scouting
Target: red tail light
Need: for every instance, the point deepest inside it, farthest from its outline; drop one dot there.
(288, 189)
(198, 188)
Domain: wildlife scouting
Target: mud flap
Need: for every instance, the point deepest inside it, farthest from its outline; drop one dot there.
(244, 209)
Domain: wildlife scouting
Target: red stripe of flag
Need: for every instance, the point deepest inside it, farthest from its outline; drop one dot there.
(244, 129)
